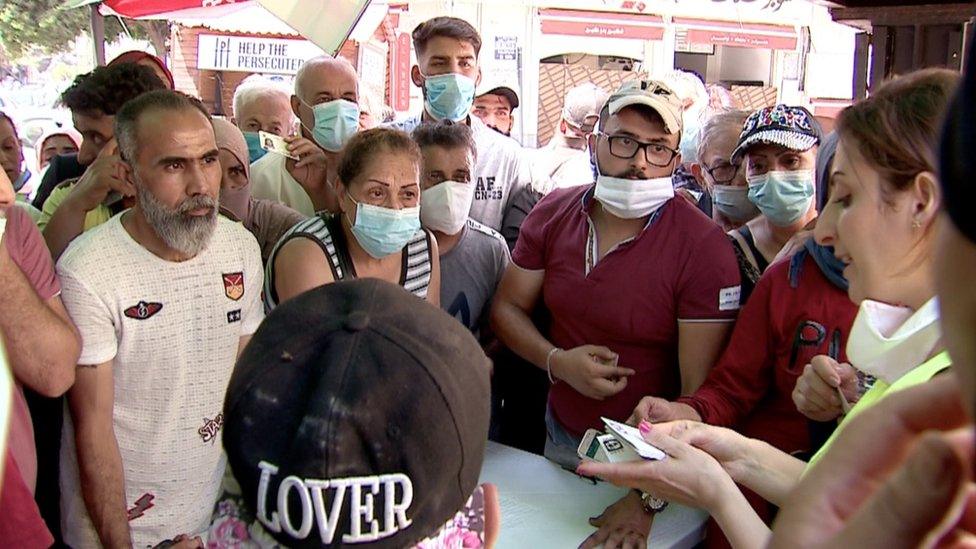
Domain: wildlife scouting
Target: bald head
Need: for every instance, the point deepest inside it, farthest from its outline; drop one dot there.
(324, 75)
(320, 80)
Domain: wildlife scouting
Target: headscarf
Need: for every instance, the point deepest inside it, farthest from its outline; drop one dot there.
(135, 56)
(230, 139)
(66, 131)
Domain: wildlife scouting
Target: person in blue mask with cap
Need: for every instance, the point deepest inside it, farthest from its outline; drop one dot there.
(448, 73)
(777, 150)
(376, 232)
(326, 102)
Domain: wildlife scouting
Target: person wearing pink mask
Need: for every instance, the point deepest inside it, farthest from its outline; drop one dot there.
(267, 220)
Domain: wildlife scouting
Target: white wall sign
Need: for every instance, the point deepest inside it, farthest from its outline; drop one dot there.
(252, 54)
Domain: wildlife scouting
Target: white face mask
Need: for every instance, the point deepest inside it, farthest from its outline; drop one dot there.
(633, 198)
(445, 206)
(887, 341)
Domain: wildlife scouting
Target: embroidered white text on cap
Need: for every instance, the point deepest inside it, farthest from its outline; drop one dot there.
(361, 505)
(728, 298)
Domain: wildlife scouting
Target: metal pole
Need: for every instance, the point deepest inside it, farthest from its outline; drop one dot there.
(98, 34)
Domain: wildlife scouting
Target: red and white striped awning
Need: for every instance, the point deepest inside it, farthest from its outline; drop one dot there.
(602, 24)
(733, 33)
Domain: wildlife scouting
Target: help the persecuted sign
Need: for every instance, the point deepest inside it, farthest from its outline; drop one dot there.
(250, 54)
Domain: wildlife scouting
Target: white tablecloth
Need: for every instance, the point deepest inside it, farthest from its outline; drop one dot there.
(546, 506)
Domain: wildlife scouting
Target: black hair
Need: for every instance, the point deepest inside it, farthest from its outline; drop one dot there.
(106, 89)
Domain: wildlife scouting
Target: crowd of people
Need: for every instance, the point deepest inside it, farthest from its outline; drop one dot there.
(218, 343)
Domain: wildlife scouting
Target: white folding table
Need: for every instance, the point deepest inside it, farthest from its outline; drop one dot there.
(546, 506)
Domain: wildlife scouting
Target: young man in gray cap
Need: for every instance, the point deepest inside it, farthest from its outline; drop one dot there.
(642, 289)
(564, 162)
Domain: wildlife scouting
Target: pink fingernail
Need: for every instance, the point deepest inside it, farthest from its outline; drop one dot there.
(644, 427)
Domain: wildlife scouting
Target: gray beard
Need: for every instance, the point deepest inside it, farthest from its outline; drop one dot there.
(180, 231)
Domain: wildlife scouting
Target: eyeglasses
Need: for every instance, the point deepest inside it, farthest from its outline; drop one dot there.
(656, 154)
(722, 172)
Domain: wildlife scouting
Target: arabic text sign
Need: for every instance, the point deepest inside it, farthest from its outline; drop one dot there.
(250, 54)
(602, 24)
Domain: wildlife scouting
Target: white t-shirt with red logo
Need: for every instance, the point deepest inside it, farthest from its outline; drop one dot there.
(172, 331)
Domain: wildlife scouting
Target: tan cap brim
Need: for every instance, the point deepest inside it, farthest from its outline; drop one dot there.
(672, 119)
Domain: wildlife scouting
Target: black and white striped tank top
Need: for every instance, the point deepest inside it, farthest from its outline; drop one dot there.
(326, 231)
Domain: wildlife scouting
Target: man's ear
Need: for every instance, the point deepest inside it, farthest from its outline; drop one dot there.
(125, 172)
(416, 77)
(295, 105)
(562, 126)
(696, 170)
(477, 81)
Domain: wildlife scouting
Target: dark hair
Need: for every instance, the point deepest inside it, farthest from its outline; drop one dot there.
(5, 116)
(451, 27)
(448, 136)
(127, 119)
(106, 89)
(897, 129)
(135, 56)
(368, 144)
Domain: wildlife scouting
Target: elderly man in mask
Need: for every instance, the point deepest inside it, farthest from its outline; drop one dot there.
(326, 102)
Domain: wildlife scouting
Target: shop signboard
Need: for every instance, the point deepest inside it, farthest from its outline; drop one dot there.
(252, 54)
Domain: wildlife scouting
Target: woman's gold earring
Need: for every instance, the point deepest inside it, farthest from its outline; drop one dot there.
(916, 224)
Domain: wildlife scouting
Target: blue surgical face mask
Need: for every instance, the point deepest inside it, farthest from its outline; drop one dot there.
(448, 96)
(782, 196)
(335, 123)
(732, 201)
(254, 150)
(383, 231)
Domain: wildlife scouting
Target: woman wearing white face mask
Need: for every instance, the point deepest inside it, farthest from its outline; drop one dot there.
(882, 220)
(778, 147)
(377, 233)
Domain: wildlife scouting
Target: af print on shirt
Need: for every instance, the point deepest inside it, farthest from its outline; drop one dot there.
(172, 330)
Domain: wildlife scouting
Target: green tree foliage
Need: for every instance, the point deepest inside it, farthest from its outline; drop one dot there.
(42, 24)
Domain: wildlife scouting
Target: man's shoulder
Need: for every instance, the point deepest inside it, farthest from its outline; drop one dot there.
(482, 233)
(268, 164)
(90, 246)
(229, 233)
(690, 218)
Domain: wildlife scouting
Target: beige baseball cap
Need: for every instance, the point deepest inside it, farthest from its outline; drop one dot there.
(652, 93)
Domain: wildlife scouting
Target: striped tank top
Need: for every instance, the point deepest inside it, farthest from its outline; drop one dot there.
(326, 231)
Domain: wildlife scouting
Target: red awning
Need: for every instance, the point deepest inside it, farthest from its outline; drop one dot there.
(175, 8)
(732, 33)
(602, 24)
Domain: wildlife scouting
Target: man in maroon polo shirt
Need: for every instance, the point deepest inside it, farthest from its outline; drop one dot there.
(642, 290)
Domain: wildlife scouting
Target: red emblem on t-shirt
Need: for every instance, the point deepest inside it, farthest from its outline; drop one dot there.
(143, 310)
(234, 285)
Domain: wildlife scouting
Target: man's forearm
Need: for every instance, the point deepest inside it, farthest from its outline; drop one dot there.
(517, 331)
(103, 484)
(47, 367)
(769, 472)
(64, 226)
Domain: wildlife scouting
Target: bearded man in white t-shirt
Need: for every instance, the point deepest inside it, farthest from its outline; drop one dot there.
(164, 295)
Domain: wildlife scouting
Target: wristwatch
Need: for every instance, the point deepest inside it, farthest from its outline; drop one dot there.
(651, 504)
